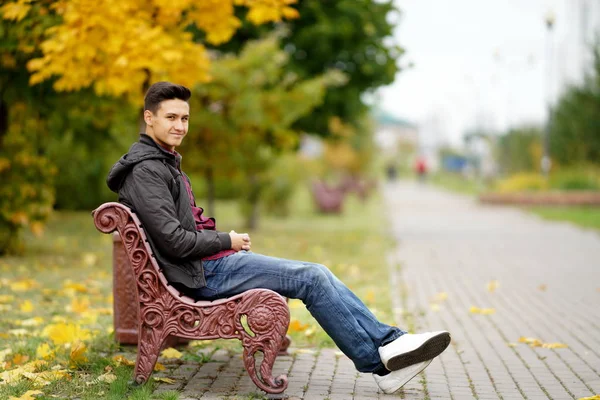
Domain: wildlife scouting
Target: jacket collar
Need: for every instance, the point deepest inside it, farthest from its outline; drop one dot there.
(146, 139)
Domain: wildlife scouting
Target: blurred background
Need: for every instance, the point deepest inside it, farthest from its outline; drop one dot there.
(328, 99)
(302, 111)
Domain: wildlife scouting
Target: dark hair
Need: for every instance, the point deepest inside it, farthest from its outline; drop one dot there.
(161, 91)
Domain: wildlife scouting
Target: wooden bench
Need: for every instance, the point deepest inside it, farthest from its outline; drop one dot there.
(164, 314)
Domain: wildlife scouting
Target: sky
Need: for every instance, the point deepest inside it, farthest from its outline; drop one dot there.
(476, 63)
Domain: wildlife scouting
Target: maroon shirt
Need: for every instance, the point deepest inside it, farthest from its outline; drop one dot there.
(203, 222)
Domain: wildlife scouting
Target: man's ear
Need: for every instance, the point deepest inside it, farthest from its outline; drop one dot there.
(148, 117)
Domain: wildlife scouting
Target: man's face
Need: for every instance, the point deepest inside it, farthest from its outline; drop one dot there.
(170, 123)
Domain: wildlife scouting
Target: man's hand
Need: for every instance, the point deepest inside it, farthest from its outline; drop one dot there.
(240, 241)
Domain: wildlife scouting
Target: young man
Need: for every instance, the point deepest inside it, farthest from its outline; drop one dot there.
(208, 264)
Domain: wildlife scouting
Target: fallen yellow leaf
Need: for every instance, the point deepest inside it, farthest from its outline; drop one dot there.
(62, 333)
(492, 286)
(435, 307)
(16, 374)
(89, 259)
(554, 346)
(533, 342)
(77, 355)
(107, 377)
(297, 326)
(159, 367)
(26, 306)
(164, 380)
(23, 285)
(79, 305)
(44, 351)
(295, 303)
(121, 360)
(28, 395)
(19, 359)
(198, 343)
(6, 298)
(595, 397)
(11, 376)
(46, 377)
(482, 311)
(441, 296)
(77, 287)
(303, 351)
(512, 344)
(170, 353)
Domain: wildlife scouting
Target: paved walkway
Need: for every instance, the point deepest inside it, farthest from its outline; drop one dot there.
(489, 275)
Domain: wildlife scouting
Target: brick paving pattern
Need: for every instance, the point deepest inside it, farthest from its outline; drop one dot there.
(449, 250)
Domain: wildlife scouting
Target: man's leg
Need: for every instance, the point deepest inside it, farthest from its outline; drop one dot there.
(353, 328)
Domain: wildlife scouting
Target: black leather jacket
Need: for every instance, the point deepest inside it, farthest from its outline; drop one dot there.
(149, 181)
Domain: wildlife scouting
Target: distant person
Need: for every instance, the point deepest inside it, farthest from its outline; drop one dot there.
(391, 172)
(421, 168)
(207, 264)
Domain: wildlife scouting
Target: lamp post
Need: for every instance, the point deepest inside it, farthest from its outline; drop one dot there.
(546, 162)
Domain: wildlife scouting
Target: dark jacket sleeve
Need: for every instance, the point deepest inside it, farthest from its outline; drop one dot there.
(152, 201)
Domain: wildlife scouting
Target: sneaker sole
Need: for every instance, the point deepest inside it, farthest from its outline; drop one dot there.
(428, 350)
(400, 384)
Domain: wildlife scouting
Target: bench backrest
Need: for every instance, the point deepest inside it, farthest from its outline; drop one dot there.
(111, 217)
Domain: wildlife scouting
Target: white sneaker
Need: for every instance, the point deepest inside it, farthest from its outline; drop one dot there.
(411, 349)
(396, 379)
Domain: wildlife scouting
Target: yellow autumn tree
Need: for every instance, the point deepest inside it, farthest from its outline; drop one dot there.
(119, 46)
(113, 47)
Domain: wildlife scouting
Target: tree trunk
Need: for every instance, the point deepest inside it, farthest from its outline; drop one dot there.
(210, 191)
(253, 200)
(3, 120)
(141, 122)
(145, 87)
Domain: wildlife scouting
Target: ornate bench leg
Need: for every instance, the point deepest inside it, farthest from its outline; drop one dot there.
(149, 347)
(268, 318)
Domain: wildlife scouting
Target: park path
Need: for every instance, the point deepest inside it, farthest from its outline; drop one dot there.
(453, 252)
(455, 261)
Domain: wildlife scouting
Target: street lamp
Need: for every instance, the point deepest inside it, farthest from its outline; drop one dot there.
(546, 163)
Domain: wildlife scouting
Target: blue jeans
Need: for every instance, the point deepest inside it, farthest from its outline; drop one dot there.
(345, 318)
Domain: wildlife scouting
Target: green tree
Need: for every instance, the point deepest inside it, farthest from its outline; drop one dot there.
(519, 150)
(354, 36)
(242, 120)
(575, 123)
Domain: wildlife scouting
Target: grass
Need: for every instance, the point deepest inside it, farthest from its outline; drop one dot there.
(457, 183)
(588, 217)
(65, 281)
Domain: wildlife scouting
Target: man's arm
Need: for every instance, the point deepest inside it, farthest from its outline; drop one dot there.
(153, 202)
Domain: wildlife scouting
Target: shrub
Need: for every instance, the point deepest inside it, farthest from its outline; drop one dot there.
(26, 194)
(582, 178)
(522, 182)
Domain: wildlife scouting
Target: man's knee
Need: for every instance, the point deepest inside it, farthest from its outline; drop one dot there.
(319, 275)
